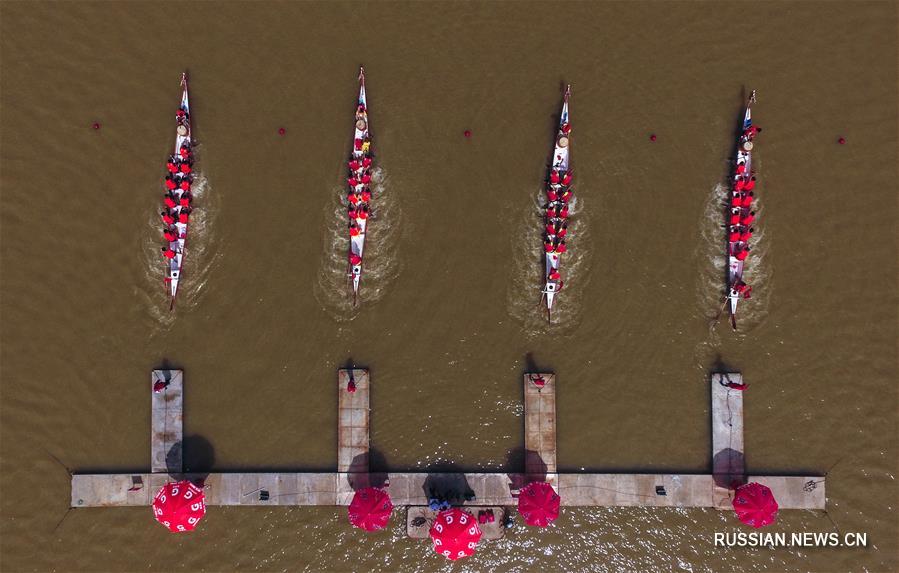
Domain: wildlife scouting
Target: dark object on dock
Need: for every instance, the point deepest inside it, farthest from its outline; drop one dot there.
(660, 490)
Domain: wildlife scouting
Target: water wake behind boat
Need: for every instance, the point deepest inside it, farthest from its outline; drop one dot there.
(523, 298)
(382, 266)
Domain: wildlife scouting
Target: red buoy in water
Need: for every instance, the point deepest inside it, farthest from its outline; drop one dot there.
(842, 141)
(652, 137)
(281, 131)
(467, 134)
(96, 126)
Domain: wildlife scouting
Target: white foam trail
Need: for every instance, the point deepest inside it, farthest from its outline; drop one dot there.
(198, 261)
(523, 298)
(712, 284)
(381, 266)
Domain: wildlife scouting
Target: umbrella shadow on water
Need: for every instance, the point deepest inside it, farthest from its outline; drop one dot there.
(192, 458)
(449, 487)
(368, 470)
(525, 466)
(728, 468)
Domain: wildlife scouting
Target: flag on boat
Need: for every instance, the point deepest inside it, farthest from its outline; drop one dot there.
(755, 505)
(455, 533)
(370, 509)
(538, 504)
(179, 506)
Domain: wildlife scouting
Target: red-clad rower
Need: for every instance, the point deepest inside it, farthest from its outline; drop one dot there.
(366, 179)
(746, 235)
(566, 196)
(180, 114)
(551, 195)
(184, 152)
(554, 177)
(561, 248)
(362, 214)
(551, 229)
(750, 185)
(563, 231)
(563, 213)
(185, 200)
(748, 219)
(554, 275)
(736, 200)
(355, 259)
(740, 184)
(366, 161)
(566, 179)
(167, 218)
(734, 216)
(548, 246)
(184, 168)
(169, 235)
(742, 254)
(747, 199)
(734, 235)
(566, 128)
(169, 201)
(550, 212)
(168, 253)
(741, 168)
(354, 230)
(184, 185)
(170, 183)
(357, 144)
(353, 198)
(751, 132)
(354, 165)
(183, 216)
(171, 166)
(351, 212)
(352, 182)
(366, 195)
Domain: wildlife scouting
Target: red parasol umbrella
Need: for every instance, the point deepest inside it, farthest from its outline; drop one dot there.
(179, 506)
(455, 533)
(538, 503)
(370, 509)
(755, 505)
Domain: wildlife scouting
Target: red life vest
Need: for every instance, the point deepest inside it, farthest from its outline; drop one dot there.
(564, 212)
(561, 248)
(183, 216)
(741, 256)
(169, 254)
(548, 247)
(366, 179)
(750, 185)
(362, 215)
(550, 229)
(366, 196)
(170, 184)
(354, 231)
(355, 259)
(554, 176)
(185, 168)
(551, 195)
(566, 179)
(168, 219)
(169, 201)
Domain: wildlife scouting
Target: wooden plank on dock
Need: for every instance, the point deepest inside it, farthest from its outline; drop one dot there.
(352, 420)
(540, 424)
(728, 464)
(409, 489)
(419, 520)
(166, 425)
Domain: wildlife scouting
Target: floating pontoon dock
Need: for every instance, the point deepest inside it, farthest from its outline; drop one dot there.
(411, 488)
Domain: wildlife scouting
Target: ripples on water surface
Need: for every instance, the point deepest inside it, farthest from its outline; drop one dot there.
(449, 301)
(381, 266)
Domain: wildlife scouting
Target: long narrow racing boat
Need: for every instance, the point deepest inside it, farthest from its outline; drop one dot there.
(178, 196)
(739, 215)
(555, 216)
(359, 196)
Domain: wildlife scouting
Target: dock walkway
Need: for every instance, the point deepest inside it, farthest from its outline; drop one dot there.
(474, 489)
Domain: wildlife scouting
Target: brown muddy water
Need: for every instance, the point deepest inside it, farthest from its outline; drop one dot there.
(449, 299)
